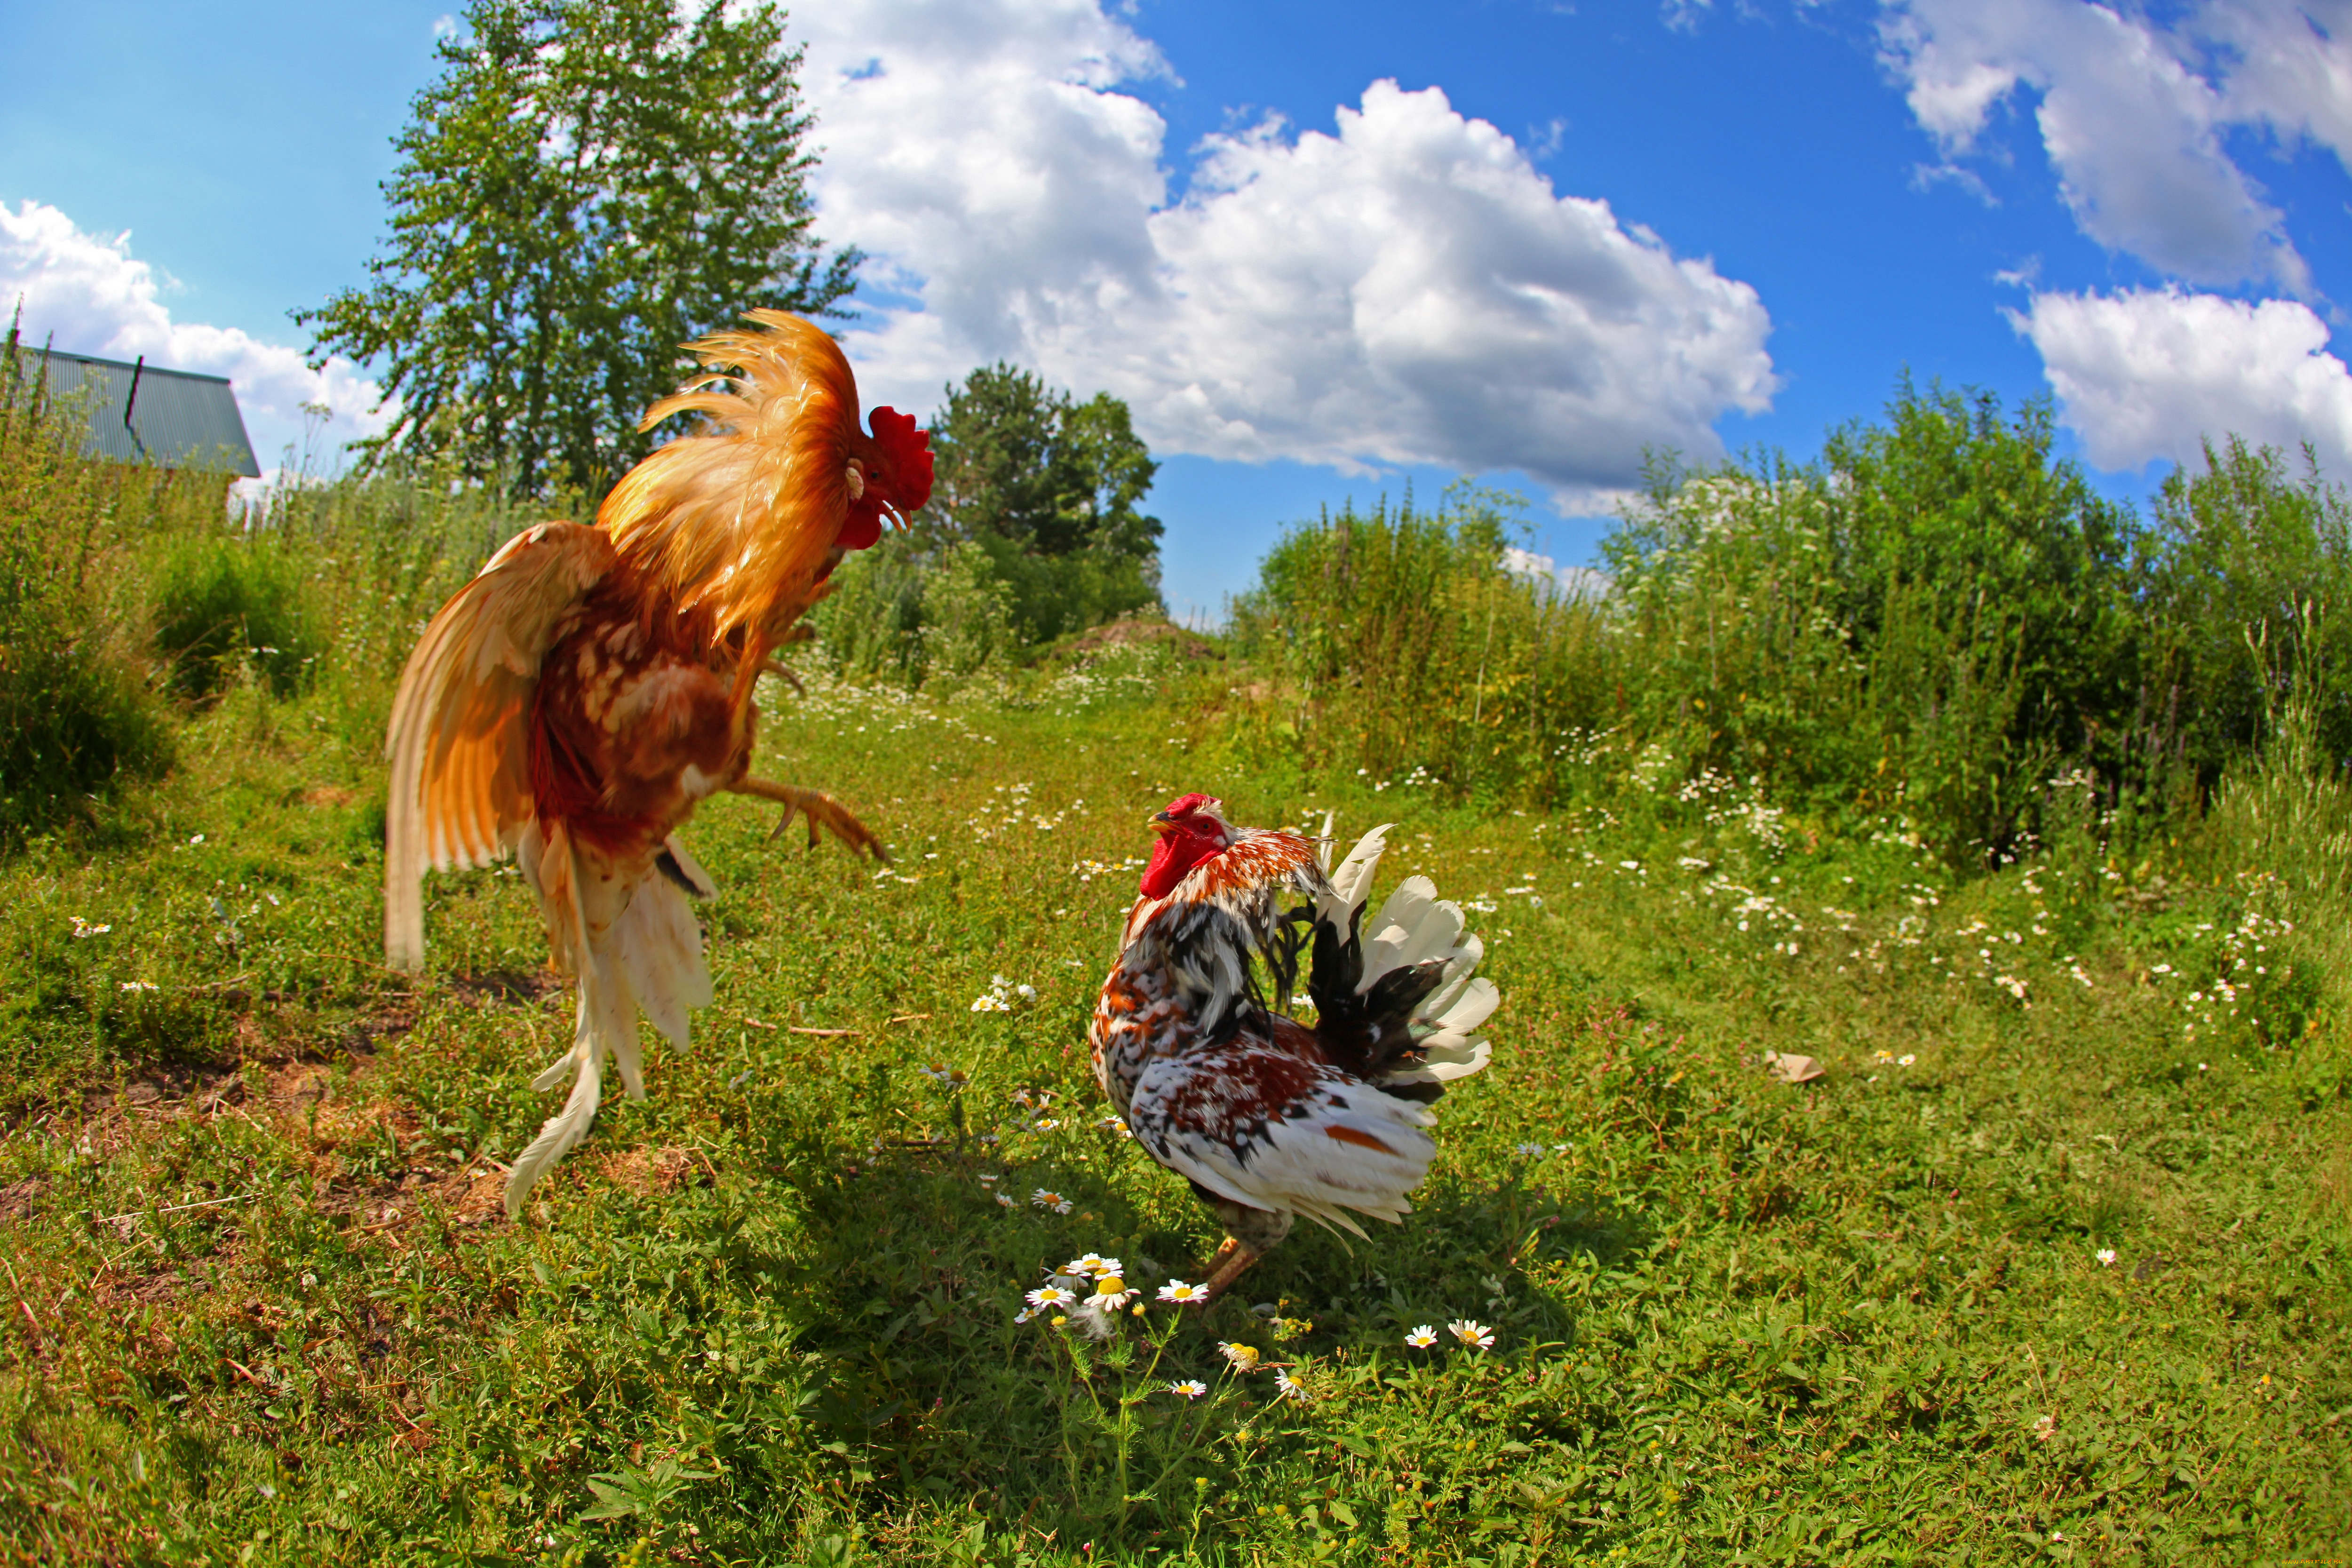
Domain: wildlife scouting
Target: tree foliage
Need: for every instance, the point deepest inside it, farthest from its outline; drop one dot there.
(1050, 488)
(588, 185)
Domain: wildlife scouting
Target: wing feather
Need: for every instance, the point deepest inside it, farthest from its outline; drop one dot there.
(460, 788)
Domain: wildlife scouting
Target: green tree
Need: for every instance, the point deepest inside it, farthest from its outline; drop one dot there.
(1050, 488)
(588, 185)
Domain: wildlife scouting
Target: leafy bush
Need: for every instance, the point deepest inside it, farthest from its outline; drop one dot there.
(223, 598)
(1928, 625)
(75, 711)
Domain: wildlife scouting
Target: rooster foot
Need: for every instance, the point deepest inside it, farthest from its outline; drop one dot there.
(821, 810)
(1226, 1267)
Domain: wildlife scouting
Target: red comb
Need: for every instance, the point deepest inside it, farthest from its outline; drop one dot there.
(902, 481)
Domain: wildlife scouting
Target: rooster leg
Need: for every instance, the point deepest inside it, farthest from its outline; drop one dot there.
(1250, 1234)
(821, 809)
(1232, 1259)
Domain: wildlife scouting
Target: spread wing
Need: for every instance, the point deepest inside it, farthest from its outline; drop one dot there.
(457, 742)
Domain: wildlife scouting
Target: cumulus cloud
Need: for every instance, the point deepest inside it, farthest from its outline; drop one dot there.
(2131, 114)
(2147, 373)
(87, 294)
(1406, 288)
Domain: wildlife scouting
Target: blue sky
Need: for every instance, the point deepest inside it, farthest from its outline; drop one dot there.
(1325, 250)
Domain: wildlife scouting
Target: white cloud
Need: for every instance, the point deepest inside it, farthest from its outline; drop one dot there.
(2147, 374)
(87, 294)
(2131, 115)
(1407, 289)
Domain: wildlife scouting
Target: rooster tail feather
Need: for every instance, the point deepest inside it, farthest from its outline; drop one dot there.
(560, 1132)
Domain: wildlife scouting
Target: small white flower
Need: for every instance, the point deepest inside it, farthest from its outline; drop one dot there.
(1046, 1199)
(1527, 1150)
(1904, 1061)
(1473, 1334)
(1023, 1315)
(1242, 1358)
(139, 986)
(2107, 1256)
(1191, 1388)
(1181, 1294)
(1421, 1337)
(1049, 1296)
(992, 1003)
(1114, 1125)
(82, 928)
(1291, 1388)
(1092, 1264)
(1024, 991)
(1111, 1293)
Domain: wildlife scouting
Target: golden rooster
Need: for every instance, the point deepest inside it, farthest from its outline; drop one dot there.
(576, 702)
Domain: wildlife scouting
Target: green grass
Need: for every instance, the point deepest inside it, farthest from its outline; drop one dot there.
(766, 1316)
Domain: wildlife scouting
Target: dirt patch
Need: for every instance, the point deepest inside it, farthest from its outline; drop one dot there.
(648, 1172)
(511, 987)
(1134, 631)
(22, 1198)
(328, 795)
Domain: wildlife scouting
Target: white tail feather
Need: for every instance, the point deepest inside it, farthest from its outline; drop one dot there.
(1413, 926)
(629, 938)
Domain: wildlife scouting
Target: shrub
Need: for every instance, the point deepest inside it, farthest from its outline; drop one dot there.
(223, 598)
(75, 713)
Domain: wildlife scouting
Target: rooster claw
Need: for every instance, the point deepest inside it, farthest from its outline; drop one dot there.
(824, 815)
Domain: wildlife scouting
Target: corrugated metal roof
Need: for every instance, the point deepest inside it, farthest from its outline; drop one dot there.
(179, 419)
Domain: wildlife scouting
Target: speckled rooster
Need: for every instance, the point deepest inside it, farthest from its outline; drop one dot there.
(1266, 1117)
(575, 702)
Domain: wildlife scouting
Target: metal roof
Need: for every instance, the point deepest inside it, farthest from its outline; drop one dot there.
(177, 420)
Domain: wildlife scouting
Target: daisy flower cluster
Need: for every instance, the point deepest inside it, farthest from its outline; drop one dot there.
(998, 997)
(1244, 1360)
(1092, 1283)
(1471, 1334)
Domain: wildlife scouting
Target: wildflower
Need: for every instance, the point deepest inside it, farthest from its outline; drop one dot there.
(944, 1074)
(1023, 1315)
(139, 986)
(1421, 1337)
(1527, 1150)
(1092, 1264)
(1005, 1200)
(1051, 1200)
(992, 1003)
(1046, 1296)
(1242, 1358)
(1183, 1295)
(82, 928)
(1473, 1335)
(2107, 1256)
(1191, 1388)
(1291, 1388)
(1111, 1293)
(1113, 1124)
(1904, 1061)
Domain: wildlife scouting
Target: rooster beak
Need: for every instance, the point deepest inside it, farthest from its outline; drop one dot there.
(1161, 822)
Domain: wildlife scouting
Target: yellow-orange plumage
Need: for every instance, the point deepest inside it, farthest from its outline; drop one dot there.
(575, 702)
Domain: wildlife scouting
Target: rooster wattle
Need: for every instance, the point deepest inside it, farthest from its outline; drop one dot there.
(575, 702)
(1266, 1117)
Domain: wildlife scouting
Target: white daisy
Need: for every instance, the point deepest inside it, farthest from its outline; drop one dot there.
(1473, 1334)
(1242, 1358)
(1046, 1296)
(1006, 1200)
(1191, 1388)
(1111, 1292)
(1091, 1263)
(1183, 1295)
(1527, 1150)
(2107, 1256)
(1291, 1388)
(1421, 1337)
(1046, 1199)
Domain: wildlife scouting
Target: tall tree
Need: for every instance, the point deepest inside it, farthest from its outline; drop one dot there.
(1051, 488)
(588, 185)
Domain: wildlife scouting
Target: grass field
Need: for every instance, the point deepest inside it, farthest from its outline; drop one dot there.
(2054, 1261)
